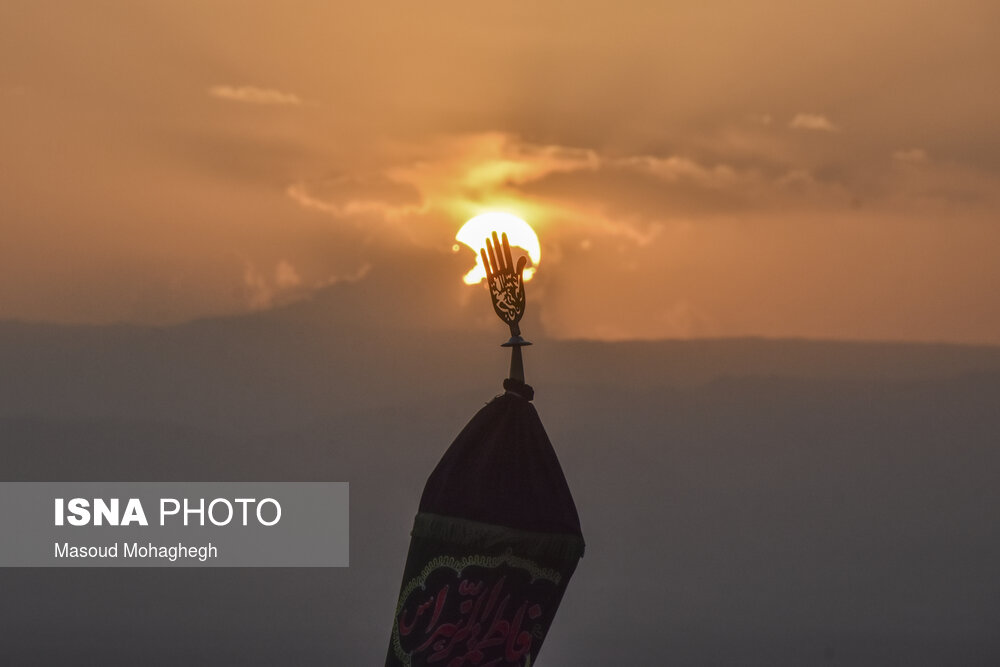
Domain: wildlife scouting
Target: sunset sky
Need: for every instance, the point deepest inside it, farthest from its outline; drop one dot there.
(820, 169)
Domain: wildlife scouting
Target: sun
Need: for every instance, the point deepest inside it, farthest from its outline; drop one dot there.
(520, 234)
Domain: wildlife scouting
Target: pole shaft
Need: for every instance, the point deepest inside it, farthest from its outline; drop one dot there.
(516, 364)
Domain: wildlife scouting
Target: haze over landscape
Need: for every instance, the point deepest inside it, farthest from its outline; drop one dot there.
(744, 501)
(765, 323)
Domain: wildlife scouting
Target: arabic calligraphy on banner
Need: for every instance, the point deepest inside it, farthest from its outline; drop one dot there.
(479, 611)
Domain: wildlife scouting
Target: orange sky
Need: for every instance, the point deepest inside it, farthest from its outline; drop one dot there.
(820, 169)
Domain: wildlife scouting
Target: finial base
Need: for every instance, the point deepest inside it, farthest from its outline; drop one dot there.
(515, 341)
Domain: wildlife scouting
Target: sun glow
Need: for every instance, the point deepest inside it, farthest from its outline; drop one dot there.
(520, 234)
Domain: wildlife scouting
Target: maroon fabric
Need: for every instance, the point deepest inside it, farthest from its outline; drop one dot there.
(493, 547)
(502, 470)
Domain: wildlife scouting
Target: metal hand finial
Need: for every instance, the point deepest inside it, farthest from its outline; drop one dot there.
(506, 282)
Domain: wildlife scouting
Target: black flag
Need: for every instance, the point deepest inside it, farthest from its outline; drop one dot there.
(495, 542)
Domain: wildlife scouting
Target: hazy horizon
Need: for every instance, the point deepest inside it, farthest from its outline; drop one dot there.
(466, 313)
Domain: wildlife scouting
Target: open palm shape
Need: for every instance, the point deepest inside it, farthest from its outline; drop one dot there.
(506, 282)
